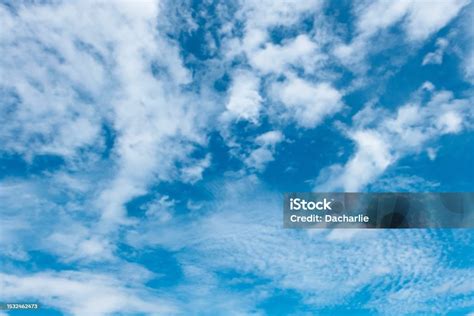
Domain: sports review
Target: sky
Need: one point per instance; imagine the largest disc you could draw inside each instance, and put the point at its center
(146, 147)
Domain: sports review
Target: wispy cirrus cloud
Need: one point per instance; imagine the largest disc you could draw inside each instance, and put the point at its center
(325, 267)
(84, 293)
(418, 20)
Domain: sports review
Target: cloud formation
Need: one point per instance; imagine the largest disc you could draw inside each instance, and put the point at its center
(145, 147)
(383, 138)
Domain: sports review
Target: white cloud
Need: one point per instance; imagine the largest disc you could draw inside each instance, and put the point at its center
(193, 172)
(395, 182)
(247, 37)
(419, 20)
(298, 52)
(35, 217)
(436, 57)
(427, 17)
(394, 136)
(269, 138)
(416, 299)
(79, 243)
(378, 15)
(428, 86)
(205, 291)
(260, 93)
(450, 122)
(258, 17)
(306, 102)
(261, 156)
(160, 209)
(60, 65)
(372, 157)
(267, 13)
(83, 293)
(244, 100)
(143, 111)
(285, 259)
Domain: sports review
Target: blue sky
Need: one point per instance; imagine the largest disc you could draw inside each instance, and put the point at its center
(146, 146)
